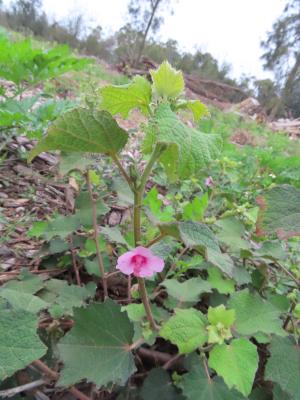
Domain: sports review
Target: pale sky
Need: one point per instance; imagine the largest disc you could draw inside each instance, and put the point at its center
(231, 30)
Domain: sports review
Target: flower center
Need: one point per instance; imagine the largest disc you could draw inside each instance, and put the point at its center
(138, 262)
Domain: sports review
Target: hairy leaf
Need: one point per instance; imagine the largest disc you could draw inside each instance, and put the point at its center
(254, 314)
(279, 212)
(158, 385)
(196, 234)
(198, 109)
(216, 280)
(114, 235)
(236, 363)
(186, 329)
(167, 81)
(196, 386)
(283, 367)
(231, 233)
(187, 291)
(83, 130)
(19, 342)
(125, 98)
(97, 347)
(84, 211)
(189, 150)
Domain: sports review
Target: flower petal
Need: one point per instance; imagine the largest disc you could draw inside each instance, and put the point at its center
(156, 263)
(145, 273)
(124, 263)
(143, 251)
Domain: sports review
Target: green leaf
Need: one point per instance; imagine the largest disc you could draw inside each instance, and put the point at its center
(114, 235)
(125, 98)
(221, 321)
(196, 234)
(196, 386)
(167, 81)
(71, 162)
(273, 250)
(135, 312)
(198, 109)
(61, 226)
(72, 296)
(26, 282)
(83, 130)
(187, 291)
(284, 365)
(189, 150)
(23, 300)
(219, 314)
(194, 210)
(84, 209)
(279, 212)
(158, 385)
(19, 342)
(254, 315)
(186, 329)
(155, 205)
(236, 363)
(97, 347)
(37, 229)
(216, 280)
(92, 266)
(125, 195)
(231, 233)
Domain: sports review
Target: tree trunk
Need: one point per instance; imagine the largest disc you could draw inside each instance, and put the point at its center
(145, 34)
(291, 79)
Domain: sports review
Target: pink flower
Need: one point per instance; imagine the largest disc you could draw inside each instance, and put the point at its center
(209, 181)
(140, 262)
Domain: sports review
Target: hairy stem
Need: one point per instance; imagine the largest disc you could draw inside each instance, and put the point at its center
(146, 302)
(95, 235)
(138, 196)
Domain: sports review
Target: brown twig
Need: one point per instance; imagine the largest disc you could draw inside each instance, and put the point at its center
(155, 240)
(22, 388)
(183, 251)
(55, 375)
(206, 369)
(95, 235)
(172, 361)
(289, 273)
(74, 262)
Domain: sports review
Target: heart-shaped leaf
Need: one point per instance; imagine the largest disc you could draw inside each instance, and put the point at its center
(83, 130)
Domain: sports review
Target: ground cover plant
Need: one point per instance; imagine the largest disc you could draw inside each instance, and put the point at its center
(194, 294)
(27, 67)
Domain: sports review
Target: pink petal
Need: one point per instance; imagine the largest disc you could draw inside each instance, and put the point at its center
(145, 273)
(124, 263)
(156, 263)
(143, 251)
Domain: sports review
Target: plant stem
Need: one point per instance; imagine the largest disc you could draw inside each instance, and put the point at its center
(206, 368)
(158, 150)
(155, 240)
(289, 273)
(55, 375)
(95, 235)
(138, 196)
(146, 302)
(122, 170)
(137, 217)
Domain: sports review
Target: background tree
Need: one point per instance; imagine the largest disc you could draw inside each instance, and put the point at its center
(146, 17)
(282, 55)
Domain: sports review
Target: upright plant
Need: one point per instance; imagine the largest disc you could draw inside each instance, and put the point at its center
(219, 315)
